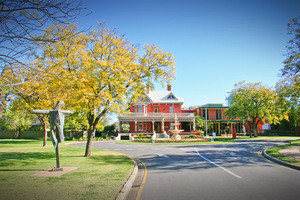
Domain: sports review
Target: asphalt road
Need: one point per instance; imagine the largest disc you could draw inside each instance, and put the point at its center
(220, 171)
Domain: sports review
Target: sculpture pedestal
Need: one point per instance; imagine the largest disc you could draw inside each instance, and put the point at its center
(176, 132)
(176, 136)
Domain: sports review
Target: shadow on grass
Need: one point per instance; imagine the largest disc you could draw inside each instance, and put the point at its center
(20, 158)
(17, 141)
(20, 170)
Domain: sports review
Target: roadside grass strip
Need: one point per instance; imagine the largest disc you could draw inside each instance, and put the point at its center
(274, 152)
(100, 176)
(226, 170)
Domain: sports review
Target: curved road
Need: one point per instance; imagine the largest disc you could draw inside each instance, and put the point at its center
(221, 171)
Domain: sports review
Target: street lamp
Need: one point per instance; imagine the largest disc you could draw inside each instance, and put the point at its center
(206, 120)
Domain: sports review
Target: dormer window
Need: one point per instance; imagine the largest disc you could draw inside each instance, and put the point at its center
(171, 96)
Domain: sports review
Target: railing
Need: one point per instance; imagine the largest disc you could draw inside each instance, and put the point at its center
(168, 115)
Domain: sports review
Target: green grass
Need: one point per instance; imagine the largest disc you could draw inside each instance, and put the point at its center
(274, 152)
(100, 176)
(265, 137)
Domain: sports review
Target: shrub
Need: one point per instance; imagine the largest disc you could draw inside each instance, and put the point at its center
(142, 140)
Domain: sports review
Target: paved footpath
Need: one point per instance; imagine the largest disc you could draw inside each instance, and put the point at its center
(293, 152)
(221, 171)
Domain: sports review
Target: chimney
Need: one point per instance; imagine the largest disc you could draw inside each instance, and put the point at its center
(169, 87)
(147, 90)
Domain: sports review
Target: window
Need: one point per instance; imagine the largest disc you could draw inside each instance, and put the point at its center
(171, 96)
(140, 126)
(140, 109)
(135, 108)
(156, 109)
(171, 109)
(218, 114)
(204, 113)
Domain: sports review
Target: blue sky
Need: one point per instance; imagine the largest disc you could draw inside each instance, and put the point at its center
(215, 43)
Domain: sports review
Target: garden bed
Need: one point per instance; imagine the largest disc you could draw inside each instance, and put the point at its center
(184, 140)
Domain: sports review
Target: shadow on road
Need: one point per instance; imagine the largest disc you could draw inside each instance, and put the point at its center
(242, 154)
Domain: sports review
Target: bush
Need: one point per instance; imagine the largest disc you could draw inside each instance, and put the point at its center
(142, 140)
(192, 136)
(98, 138)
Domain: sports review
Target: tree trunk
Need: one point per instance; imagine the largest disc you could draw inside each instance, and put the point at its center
(251, 129)
(45, 135)
(89, 143)
(44, 123)
(255, 131)
(17, 132)
(92, 125)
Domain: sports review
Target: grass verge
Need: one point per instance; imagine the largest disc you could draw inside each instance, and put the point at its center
(100, 176)
(274, 152)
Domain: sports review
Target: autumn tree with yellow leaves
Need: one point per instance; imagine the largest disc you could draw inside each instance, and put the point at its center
(28, 89)
(99, 72)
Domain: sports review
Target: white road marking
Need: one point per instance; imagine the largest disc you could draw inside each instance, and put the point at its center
(226, 170)
(162, 155)
(232, 153)
(184, 150)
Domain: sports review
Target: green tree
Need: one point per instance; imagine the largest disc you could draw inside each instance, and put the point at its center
(16, 118)
(110, 129)
(201, 123)
(76, 122)
(100, 71)
(254, 103)
(289, 86)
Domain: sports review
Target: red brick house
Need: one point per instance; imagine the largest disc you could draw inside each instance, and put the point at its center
(156, 112)
(215, 113)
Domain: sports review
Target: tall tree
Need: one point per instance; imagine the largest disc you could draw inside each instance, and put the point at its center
(23, 21)
(16, 117)
(288, 87)
(292, 62)
(254, 103)
(100, 71)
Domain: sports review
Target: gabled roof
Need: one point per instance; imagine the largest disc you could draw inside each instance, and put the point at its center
(164, 97)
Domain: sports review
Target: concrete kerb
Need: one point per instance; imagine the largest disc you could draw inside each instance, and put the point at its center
(280, 162)
(134, 183)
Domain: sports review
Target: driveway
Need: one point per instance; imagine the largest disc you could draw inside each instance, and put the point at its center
(220, 171)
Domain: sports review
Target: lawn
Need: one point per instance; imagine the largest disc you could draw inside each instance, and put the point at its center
(274, 152)
(100, 176)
